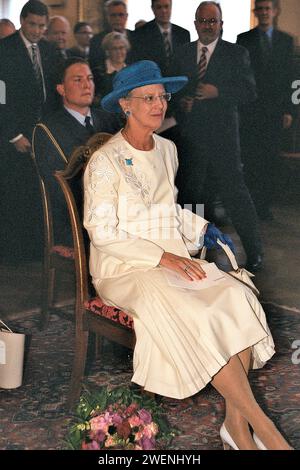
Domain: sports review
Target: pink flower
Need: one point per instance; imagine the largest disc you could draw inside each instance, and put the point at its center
(147, 443)
(100, 422)
(110, 442)
(99, 436)
(116, 419)
(134, 421)
(131, 409)
(145, 416)
(138, 435)
(90, 445)
(150, 430)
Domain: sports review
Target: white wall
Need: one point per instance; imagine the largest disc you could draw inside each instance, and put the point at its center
(236, 15)
(11, 9)
(289, 19)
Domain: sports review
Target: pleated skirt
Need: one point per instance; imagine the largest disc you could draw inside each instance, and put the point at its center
(184, 337)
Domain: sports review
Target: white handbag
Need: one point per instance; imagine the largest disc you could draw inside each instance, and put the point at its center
(241, 274)
(11, 357)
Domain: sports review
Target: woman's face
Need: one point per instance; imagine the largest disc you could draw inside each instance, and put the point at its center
(147, 106)
(117, 52)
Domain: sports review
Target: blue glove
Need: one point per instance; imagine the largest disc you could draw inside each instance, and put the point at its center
(213, 234)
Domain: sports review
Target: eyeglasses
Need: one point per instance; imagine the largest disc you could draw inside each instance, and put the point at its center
(210, 21)
(116, 15)
(120, 48)
(150, 99)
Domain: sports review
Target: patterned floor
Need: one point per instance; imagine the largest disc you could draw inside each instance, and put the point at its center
(33, 416)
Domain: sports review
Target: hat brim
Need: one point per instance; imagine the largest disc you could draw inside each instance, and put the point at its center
(110, 102)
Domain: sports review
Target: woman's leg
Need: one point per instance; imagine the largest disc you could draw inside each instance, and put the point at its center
(232, 383)
(233, 418)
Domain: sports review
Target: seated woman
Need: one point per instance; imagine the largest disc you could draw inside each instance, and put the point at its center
(185, 338)
(116, 47)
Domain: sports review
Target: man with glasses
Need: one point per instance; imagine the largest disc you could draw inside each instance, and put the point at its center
(159, 39)
(220, 79)
(271, 53)
(83, 34)
(116, 16)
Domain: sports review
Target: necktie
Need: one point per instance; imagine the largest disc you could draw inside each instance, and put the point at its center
(37, 72)
(88, 125)
(167, 45)
(266, 46)
(202, 65)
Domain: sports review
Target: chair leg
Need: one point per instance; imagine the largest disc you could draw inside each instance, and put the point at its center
(98, 345)
(47, 295)
(81, 344)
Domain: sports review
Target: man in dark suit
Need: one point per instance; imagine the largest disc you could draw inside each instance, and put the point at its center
(116, 15)
(58, 33)
(220, 79)
(27, 66)
(159, 39)
(271, 53)
(6, 28)
(60, 133)
(83, 34)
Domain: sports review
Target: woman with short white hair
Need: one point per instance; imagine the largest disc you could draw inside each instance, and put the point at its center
(116, 47)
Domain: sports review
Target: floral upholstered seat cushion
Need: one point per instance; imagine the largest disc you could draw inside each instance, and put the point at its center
(64, 251)
(96, 306)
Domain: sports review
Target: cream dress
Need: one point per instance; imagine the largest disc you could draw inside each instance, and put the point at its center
(184, 337)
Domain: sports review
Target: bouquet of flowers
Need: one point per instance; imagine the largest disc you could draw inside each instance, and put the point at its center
(120, 419)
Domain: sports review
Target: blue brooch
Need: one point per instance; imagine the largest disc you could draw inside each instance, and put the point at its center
(128, 162)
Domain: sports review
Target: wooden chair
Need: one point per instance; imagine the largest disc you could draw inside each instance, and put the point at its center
(55, 258)
(92, 315)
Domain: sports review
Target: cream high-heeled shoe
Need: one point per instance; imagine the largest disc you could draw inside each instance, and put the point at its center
(228, 442)
(258, 442)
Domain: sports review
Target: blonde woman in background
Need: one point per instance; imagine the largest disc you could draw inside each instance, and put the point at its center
(116, 47)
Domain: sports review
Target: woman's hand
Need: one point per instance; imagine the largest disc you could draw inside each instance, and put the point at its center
(187, 268)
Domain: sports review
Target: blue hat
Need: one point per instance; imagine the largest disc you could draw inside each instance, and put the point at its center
(144, 72)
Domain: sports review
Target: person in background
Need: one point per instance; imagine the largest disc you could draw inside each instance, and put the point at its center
(116, 47)
(28, 63)
(83, 34)
(116, 16)
(139, 24)
(159, 39)
(185, 338)
(220, 79)
(58, 32)
(271, 54)
(6, 28)
(57, 135)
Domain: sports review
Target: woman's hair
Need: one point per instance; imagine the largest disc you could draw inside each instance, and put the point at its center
(110, 38)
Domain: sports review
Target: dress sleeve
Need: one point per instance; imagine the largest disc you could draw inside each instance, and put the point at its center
(101, 203)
